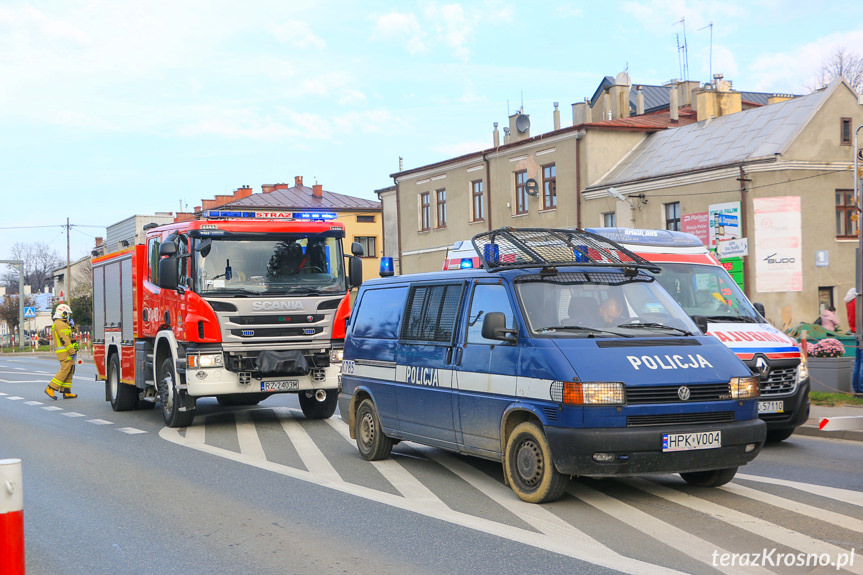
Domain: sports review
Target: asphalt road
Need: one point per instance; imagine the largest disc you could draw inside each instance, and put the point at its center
(261, 490)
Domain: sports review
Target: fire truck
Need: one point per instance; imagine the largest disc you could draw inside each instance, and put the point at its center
(236, 306)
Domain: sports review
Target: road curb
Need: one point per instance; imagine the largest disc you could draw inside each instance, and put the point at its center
(811, 429)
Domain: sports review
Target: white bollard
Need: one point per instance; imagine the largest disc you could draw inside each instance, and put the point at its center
(11, 518)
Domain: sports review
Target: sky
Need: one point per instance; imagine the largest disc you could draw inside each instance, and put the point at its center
(113, 108)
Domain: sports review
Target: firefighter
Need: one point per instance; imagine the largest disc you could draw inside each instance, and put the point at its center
(66, 348)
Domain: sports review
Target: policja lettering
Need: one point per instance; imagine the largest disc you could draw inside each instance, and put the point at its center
(422, 376)
(668, 361)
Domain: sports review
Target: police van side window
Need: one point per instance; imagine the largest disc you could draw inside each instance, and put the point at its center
(486, 299)
(380, 313)
(431, 313)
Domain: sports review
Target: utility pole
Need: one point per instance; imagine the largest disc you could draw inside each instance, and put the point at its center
(857, 379)
(20, 265)
(68, 281)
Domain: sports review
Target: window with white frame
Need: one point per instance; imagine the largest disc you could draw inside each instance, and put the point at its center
(609, 220)
(672, 216)
(477, 201)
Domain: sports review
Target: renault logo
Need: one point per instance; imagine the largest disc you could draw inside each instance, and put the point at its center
(762, 367)
(683, 393)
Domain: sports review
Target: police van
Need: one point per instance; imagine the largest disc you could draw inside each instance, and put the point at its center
(699, 282)
(562, 355)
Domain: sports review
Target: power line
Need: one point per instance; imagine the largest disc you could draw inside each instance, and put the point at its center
(749, 188)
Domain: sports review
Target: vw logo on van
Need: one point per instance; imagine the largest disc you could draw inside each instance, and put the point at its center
(762, 367)
(683, 393)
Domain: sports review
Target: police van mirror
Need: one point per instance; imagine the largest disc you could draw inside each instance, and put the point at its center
(167, 249)
(168, 277)
(355, 269)
(759, 307)
(701, 323)
(357, 249)
(494, 327)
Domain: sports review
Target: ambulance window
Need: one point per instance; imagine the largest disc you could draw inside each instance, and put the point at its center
(153, 250)
(379, 313)
(486, 299)
(431, 313)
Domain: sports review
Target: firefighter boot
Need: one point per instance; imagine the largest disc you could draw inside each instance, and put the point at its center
(49, 391)
(69, 395)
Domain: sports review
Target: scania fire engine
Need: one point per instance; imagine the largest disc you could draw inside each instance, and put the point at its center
(237, 306)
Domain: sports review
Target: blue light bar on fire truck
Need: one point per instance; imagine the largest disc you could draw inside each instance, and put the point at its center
(308, 216)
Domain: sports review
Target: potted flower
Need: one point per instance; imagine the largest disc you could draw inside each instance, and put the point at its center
(829, 370)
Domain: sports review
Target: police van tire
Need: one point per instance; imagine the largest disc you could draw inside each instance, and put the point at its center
(314, 409)
(712, 478)
(371, 441)
(169, 398)
(124, 397)
(529, 467)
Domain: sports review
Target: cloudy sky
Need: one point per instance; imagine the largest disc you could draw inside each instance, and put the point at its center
(110, 108)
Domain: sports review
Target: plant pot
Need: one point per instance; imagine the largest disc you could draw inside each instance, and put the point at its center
(830, 374)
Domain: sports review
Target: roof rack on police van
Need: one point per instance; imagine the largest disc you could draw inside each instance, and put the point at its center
(511, 248)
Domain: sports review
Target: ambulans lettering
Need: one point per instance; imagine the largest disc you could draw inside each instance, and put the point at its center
(422, 376)
(668, 361)
(740, 336)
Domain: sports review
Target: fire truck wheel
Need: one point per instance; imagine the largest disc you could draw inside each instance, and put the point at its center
(712, 478)
(315, 409)
(528, 465)
(169, 398)
(372, 444)
(124, 397)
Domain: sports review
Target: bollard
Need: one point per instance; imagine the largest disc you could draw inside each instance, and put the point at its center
(11, 518)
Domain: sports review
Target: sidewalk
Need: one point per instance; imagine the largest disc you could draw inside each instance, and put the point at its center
(819, 412)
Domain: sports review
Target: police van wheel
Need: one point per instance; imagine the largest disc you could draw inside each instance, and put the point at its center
(169, 398)
(528, 465)
(124, 397)
(314, 409)
(712, 478)
(371, 441)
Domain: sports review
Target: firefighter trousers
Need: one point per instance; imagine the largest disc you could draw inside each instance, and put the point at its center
(63, 380)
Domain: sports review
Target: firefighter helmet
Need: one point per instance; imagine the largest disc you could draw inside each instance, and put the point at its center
(63, 312)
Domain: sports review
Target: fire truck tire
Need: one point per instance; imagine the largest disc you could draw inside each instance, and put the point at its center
(169, 398)
(314, 409)
(712, 478)
(241, 399)
(124, 397)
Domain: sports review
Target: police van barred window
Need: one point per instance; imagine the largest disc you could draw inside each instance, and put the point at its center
(380, 313)
(431, 313)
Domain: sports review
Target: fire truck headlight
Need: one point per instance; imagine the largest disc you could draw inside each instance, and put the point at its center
(744, 387)
(205, 360)
(336, 355)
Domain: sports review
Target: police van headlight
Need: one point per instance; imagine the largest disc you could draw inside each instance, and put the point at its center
(588, 392)
(204, 360)
(744, 387)
(336, 354)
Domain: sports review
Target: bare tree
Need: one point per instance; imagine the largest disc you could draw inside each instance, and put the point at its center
(40, 261)
(841, 63)
(9, 310)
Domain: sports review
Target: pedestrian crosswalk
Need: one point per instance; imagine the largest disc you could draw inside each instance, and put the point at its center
(622, 524)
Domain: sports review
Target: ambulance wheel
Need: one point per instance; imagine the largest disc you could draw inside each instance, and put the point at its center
(528, 465)
(169, 397)
(712, 478)
(314, 409)
(371, 441)
(124, 397)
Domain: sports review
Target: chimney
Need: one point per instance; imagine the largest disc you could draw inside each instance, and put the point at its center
(519, 126)
(496, 136)
(208, 204)
(222, 199)
(776, 98)
(243, 192)
(581, 112)
(672, 103)
(284, 186)
(298, 181)
(318, 191)
(98, 241)
(267, 188)
(556, 117)
(639, 101)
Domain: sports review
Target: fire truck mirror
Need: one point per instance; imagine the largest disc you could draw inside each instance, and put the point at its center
(357, 249)
(356, 271)
(168, 277)
(167, 249)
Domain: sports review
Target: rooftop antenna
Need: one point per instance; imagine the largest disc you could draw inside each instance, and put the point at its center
(682, 52)
(710, 66)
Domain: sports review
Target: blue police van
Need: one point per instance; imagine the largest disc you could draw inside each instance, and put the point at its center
(560, 356)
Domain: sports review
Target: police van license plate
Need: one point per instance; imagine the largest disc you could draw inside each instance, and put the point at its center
(777, 406)
(281, 385)
(691, 441)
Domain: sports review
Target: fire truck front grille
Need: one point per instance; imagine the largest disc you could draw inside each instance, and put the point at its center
(276, 332)
(246, 363)
(276, 319)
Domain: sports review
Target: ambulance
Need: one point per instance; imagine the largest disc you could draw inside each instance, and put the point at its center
(699, 282)
(560, 355)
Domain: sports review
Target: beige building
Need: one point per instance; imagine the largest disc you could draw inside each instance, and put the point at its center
(674, 154)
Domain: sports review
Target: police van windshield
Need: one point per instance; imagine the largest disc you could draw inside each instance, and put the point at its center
(287, 264)
(566, 306)
(707, 290)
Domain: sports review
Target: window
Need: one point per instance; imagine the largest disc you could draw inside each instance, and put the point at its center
(845, 227)
(440, 196)
(425, 211)
(153, 248)
(549, 187)
(487, 298)
(845, 132)
(380, 313)
(477, 205)
(521, 192)
(365, 219)
(672, 216)
(432, 311)
(609, 220)
(368, 243)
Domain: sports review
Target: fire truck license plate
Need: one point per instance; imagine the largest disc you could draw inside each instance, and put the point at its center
(689, 441)
(281, 385)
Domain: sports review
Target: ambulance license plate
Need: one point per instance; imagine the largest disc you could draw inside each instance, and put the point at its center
(281, 385)
(777, 406)
(691, 441)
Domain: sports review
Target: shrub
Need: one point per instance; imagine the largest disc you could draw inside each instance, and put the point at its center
(827, 347)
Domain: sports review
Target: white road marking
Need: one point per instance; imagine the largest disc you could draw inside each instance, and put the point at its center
(131, 430)
(72, 414)
(100, 422)
(33, 403)
(314, 460)
(14, 398)
(247, 435)
(837, 493)
(52, 408)
(1, 393)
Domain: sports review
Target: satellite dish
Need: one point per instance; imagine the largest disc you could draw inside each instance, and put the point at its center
(522, 123)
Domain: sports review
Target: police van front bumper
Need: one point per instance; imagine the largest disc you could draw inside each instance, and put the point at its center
(607, 452)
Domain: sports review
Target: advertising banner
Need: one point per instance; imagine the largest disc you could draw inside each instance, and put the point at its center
(778, 253)
(724, 222)
(697, 225)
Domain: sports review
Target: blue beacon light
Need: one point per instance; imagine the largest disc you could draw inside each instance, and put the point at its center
(387, 267)
(466, 263)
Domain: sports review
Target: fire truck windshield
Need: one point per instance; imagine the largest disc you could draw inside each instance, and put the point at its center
(286, 264)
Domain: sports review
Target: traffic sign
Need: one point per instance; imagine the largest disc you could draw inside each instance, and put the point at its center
(29, 312)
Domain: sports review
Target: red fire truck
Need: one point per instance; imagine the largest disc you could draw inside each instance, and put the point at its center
(237, 306)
